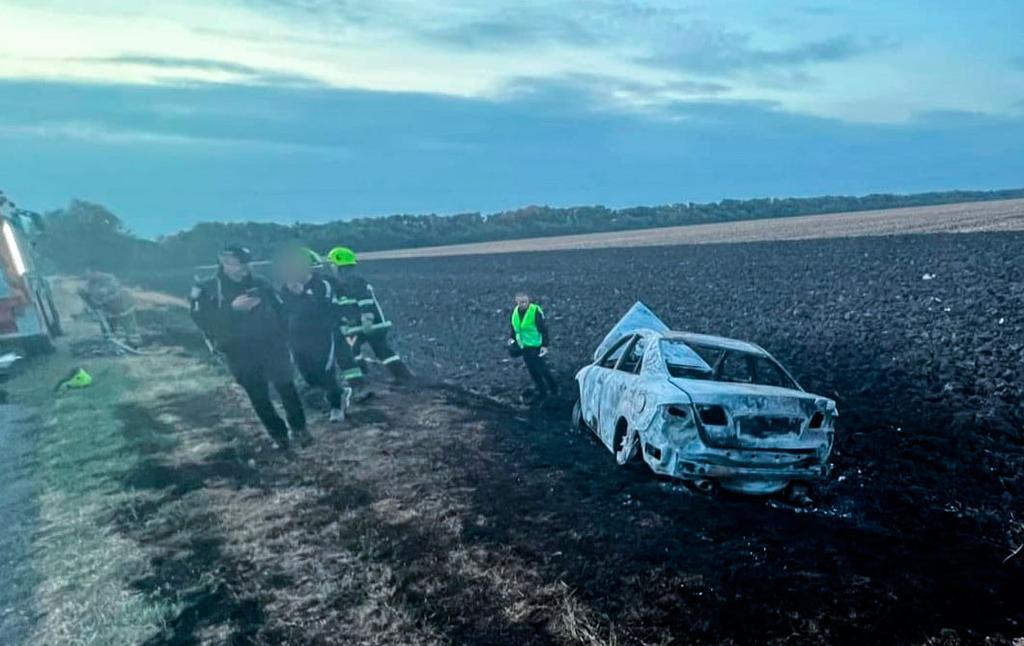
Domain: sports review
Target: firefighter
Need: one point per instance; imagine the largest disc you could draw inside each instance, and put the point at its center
(313, 318)
(243, 318)
(362, 318)
(529, 338)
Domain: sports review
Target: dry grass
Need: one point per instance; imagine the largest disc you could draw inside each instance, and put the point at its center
(82, 563)
(157, 498)
(1003, 215)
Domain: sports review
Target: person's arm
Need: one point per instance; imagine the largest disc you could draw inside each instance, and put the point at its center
(542, 327)
(269, 296)
(203, 310)
(360, 290)
(328, 301)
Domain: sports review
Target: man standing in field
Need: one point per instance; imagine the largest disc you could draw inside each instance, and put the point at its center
(243, 318)
(528, 337)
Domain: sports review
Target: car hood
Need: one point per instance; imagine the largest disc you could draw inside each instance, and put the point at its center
(639, 317)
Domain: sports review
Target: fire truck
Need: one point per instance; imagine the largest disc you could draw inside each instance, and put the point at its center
(29, 320)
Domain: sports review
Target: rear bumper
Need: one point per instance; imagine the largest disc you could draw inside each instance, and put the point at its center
(760, 471)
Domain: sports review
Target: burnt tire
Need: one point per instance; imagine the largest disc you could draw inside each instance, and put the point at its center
(626, 445)
(578, 423)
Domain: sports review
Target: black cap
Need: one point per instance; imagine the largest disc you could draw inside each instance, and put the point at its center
(239, 251)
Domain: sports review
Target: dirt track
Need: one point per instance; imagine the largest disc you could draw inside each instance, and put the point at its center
(1003, 215)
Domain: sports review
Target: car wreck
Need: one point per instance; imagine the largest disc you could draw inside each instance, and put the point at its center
(703, 408)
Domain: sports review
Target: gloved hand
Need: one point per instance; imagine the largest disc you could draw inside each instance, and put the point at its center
(543, 352)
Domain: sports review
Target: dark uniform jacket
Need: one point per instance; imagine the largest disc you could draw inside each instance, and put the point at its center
(354, 296)
(240, 335)
(312, 315)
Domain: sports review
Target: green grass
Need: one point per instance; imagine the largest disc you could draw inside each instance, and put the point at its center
(82, 565)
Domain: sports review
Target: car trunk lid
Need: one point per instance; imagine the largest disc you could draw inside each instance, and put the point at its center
(750, 416)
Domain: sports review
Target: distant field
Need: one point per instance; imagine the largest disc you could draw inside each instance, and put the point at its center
(1003, 215)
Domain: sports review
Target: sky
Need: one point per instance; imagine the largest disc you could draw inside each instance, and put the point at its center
(174, 113)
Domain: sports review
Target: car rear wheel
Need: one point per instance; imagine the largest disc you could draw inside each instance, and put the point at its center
(625, 443)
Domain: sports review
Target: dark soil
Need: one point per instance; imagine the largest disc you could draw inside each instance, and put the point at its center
(905, 543)
(928, 373)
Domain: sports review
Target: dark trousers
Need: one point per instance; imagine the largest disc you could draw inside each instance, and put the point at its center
(539, 372)
(317, 369)
(378, 342)
(346, 361)
(257, 387)
(255, 369)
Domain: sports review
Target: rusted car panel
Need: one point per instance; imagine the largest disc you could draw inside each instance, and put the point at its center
(703, 408)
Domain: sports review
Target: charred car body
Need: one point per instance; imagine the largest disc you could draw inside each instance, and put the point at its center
(703, 408)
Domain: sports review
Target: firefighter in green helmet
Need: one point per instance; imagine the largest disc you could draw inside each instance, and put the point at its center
(363, 321)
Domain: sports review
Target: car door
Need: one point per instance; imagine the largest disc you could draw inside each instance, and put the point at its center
(601, 377)
(624, 390)
(616, 384)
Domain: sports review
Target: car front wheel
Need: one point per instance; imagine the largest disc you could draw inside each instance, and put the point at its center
(578, 423)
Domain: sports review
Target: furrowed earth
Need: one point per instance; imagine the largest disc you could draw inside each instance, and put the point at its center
(447, 512)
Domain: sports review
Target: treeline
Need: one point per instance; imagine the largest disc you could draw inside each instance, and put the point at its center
(87, 235)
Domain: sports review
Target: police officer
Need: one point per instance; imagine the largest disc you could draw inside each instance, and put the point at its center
(529, 338)
(242, 317)
(313, 318)
(362, 318)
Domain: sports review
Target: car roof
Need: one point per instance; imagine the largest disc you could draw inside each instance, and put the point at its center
(716, 342)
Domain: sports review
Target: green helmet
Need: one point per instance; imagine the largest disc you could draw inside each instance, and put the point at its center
(342, 256)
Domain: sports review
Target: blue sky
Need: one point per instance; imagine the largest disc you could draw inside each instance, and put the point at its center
(322, 109)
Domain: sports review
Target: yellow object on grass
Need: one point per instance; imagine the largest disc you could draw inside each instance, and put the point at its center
(77, 378)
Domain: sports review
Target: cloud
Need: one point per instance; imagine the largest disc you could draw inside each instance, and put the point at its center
(228, 71)
(703, 48)
(104, 134)
(515, 29)
(600, 93)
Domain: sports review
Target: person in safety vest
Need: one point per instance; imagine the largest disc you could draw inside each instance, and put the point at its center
(312, 318)
(363, 320)
(528, 337)
(243, 318)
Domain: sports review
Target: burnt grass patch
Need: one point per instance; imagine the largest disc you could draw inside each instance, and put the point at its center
(920, 339)
(449, 514)
(660, 560)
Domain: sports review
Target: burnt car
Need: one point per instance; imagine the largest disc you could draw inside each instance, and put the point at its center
(703, 408)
